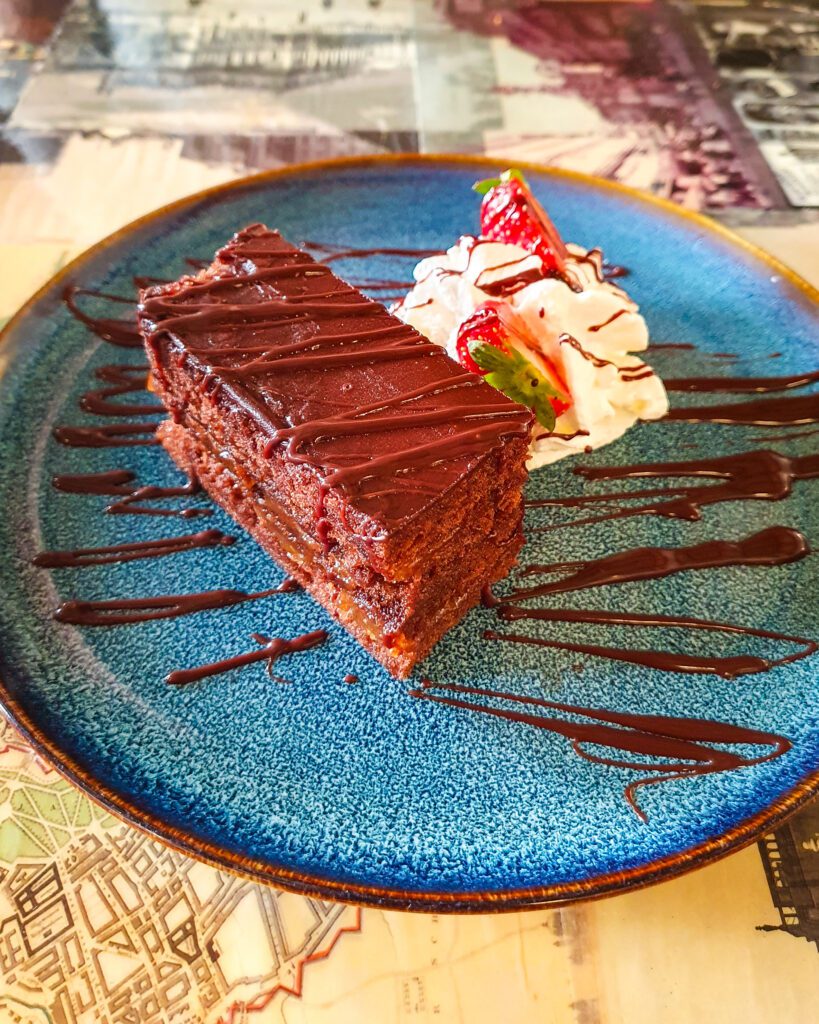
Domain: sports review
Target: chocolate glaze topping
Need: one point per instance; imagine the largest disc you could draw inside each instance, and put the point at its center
(333, 380)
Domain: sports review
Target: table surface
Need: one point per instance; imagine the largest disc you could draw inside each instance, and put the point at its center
(109, 108)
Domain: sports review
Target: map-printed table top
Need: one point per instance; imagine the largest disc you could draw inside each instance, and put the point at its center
(710, 104)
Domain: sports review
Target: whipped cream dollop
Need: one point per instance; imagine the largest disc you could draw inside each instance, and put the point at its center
(586, 326)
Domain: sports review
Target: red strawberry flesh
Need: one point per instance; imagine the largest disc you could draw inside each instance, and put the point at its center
(511, 214)
(483, 326)
(497, 324)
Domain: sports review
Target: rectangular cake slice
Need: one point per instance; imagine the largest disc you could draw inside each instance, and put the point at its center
(378, 473)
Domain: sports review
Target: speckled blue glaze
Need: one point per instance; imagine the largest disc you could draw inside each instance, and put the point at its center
(362, 784)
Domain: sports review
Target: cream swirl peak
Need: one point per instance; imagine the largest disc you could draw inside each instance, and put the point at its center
(549, 303)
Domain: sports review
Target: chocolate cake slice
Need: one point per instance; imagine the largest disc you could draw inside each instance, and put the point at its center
(378, 473)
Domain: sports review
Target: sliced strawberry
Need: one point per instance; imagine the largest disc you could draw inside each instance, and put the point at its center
(484, 327)
(511, 214)
(497, 325)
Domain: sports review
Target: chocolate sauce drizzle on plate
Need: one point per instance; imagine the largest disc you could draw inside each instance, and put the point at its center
(126, 505)
(742, 385)
(331, 253)
(119, 483)
(755, 475)
(107, 435)
(129, 610)
(689, 747)
(118, 332)
(793, 410)
(131, 551)
(793, 435)
(776, 545)
(109, 482)
(270, 650)
(120, 379)
(726, 666)
(758, 475)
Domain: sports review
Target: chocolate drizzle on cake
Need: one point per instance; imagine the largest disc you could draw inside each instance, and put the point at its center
(271, 320)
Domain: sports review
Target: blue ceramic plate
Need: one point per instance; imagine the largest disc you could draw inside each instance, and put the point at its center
(362, 792)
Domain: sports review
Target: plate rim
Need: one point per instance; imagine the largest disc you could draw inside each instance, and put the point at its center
(308, 884)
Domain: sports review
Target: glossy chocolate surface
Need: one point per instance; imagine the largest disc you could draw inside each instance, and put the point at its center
(332, 380)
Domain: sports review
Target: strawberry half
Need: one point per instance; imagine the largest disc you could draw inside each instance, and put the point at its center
(488, 343)
(511, 214)
(482, 327)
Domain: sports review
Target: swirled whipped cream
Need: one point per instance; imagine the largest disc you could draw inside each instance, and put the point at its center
(578, 323)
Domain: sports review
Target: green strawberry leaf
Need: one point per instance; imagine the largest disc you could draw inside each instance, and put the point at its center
(482, 187)
(513, 172)
(518, 379)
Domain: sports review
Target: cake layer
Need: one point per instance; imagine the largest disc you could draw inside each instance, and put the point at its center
(398, 623)
(381, 475)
